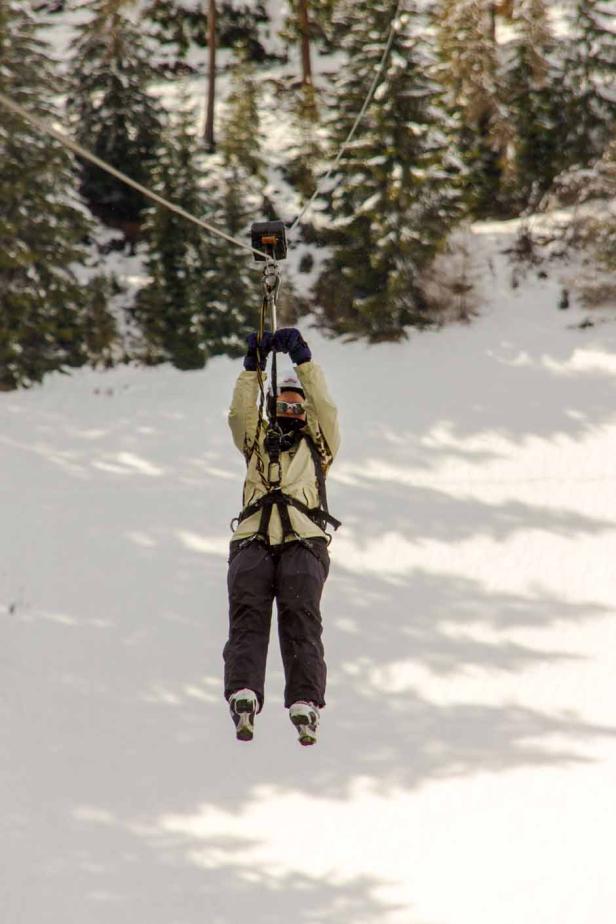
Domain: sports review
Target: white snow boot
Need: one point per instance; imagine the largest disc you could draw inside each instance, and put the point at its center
(244, 705)
(305, 717)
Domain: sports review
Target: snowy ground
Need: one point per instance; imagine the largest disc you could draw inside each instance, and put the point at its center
(466, 769)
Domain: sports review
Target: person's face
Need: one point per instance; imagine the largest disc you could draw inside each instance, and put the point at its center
(293, 398)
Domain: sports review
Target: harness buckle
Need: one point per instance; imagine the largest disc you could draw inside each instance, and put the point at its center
(275, 482)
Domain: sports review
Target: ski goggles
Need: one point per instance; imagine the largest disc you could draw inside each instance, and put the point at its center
(296, 409)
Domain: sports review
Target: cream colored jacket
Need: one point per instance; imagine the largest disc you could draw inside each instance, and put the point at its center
(298, 477)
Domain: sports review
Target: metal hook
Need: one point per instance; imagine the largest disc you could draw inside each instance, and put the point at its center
(271, 285)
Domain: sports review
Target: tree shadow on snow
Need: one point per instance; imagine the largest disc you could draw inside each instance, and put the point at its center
(120, 722)
(123, 726)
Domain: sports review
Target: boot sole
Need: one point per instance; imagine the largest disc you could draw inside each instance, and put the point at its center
(244, 710)
(244, 734)
(306, 738)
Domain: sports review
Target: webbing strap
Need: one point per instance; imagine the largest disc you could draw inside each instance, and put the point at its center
(318, 468)
(285, 520)
(320, 516)
(265, 520)
(283, 501)
(314, 513)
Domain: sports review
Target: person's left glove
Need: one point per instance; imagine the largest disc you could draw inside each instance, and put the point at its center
(289, 340)
(264, 347)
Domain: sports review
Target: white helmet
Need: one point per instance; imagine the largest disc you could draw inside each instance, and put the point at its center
(290, 382)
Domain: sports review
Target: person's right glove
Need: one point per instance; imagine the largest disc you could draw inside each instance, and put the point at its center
(250, 360)
(289, 340)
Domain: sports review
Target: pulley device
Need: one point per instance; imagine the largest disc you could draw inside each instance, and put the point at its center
(269, 237)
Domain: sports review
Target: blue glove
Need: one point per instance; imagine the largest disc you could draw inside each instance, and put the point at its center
(289, 340)
(250, 360)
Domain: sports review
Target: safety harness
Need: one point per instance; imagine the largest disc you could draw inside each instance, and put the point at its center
(270, 238)
(275, 444)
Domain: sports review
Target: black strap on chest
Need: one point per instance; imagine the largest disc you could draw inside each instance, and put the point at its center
(320, 515)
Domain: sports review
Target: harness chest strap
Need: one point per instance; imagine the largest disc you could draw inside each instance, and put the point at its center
(320, 516)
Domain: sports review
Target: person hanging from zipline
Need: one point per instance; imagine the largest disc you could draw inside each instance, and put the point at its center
(280, 547)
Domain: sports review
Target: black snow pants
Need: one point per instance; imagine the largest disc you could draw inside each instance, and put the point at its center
(294, 575)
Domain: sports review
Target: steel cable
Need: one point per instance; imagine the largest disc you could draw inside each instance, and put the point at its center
(379, 73)
(43, 125)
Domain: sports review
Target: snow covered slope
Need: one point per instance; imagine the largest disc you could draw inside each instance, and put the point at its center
(466, 769)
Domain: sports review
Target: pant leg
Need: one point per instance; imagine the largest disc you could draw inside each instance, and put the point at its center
(251, 592)
(300, 576)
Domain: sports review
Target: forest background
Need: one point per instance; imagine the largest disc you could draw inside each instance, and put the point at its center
(233, 110)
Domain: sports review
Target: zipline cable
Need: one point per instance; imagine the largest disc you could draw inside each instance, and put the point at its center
(361, 114)
(44, 126)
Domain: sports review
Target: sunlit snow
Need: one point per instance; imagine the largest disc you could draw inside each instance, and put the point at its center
(465, 773)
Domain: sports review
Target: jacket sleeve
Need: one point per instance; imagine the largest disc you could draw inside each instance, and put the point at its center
(321, 412)
(244, 413)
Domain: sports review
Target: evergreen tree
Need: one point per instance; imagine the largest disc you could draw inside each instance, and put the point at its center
(536, 104)
(238, 25)
(606, 245)
(304, 147)
(325, 28)
(230, 285)
(100, 328)
(395, 193)
(237, 199)
(212, 48)
(43, 306)
(200, 298)
(470, 71)
(168, 310)
(300, 29)
(590, 77)
(240, 143)
(172, 25)
(177, 26)
(112, 111)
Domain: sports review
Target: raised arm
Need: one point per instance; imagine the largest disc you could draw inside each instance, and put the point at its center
(244, 414)
(321, 412)
(320, 408)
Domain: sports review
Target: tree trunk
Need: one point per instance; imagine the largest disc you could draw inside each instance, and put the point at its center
(493, 9)
(505, 8)
(304, 28)
(208, 134)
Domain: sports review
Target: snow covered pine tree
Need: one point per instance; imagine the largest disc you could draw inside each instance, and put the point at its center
(112, 111)
(43, 305)
(590, 77)
(536, 102)
(469, 69)
(396, 190)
